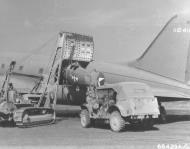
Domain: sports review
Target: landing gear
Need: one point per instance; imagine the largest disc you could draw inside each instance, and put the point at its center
(162, 116)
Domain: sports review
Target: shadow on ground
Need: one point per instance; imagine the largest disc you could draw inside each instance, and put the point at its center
(7, 124)
(177, 118)
(67, 114)
(61, 116)
(129, 128)
(101, 125)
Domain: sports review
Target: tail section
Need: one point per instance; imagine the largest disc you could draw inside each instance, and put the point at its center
(169, 53)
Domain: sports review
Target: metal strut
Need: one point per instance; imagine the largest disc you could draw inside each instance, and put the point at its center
(46, 115)
(40, 103)
(7, 79)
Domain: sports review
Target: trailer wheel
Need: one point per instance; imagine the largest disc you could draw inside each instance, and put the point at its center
(85, 118)
(117, 123)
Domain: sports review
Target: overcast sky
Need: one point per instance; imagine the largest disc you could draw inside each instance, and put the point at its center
(122, 29)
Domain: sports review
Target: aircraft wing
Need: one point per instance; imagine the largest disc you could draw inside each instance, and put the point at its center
(27, 73)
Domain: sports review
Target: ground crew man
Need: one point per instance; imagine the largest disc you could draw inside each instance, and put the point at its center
(91, 98)
(11, 93)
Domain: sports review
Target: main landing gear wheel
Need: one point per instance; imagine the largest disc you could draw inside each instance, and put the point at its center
(117, 123)
(85, 118)
(162, 117)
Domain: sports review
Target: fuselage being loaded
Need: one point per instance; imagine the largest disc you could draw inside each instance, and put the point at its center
(162, 66)
(157, 67)
(73, 83)
(70, 79)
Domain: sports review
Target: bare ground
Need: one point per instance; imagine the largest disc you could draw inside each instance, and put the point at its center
(68, 133)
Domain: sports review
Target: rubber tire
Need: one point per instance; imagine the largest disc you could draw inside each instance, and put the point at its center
(117, 123)
(85, 118)
(162, 116)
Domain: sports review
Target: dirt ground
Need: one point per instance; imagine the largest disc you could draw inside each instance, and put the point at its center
(68, 133)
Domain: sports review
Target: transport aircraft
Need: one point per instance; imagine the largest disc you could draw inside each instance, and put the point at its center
(164, 66)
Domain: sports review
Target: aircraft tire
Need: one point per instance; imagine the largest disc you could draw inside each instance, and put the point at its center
(117, 123)
(162, 116)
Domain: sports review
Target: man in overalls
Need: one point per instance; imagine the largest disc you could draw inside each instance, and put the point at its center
(11, 93)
